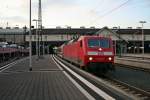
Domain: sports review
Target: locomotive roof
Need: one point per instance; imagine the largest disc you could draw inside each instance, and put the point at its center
(82, 37)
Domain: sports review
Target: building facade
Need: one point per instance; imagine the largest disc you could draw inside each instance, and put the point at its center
(132, 37)
(15, 36)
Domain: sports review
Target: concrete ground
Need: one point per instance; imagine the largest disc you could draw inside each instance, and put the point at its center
(135, 60)
(45, 82)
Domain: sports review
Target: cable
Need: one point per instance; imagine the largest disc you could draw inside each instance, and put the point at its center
(112, 10)
(99, 4)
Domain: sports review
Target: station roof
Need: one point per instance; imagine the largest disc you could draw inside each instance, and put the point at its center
(68, 31)
(89, 31)
(132, 31)
(11, 31)
(105, 31)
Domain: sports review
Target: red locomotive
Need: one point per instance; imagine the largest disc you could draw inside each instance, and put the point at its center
(93, 53)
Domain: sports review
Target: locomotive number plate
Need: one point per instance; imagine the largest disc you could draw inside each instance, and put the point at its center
(100, 53)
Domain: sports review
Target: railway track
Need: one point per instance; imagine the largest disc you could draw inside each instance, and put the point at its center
(141, 94)
(128, 89)
(133, 67)
(7, 62)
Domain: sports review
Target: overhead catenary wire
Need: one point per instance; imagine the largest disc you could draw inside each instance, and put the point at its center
(99, 4)
(110, 11)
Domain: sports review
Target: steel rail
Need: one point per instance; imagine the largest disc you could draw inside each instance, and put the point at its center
(142, 94)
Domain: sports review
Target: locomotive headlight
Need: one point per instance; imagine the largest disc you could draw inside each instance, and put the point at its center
(100, 49)
(109, 58)
(90, 58)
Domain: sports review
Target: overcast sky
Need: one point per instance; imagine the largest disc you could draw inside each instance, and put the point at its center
(76, 13)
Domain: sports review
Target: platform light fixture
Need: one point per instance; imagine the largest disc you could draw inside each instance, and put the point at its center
(142, 22)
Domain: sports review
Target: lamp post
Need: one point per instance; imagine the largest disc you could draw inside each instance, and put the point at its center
(43, 45)
(36, 36)
(142, 22)
(134, 41)
(30, 37)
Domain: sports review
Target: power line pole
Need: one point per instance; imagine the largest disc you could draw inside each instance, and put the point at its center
(36, 37)
(40, 25)
(30, 40)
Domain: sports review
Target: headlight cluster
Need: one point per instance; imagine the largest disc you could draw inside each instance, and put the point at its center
(109, 58)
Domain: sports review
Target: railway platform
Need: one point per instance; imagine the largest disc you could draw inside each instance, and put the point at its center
(46, 82)
(134, 60)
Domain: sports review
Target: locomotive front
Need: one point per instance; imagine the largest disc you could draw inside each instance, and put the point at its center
(99, 54)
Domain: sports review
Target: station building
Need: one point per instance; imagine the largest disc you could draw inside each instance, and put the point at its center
(13, 35)
(129, 40)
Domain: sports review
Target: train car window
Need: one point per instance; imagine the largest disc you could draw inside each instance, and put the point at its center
(80, 43)
(93, 43)
(104, 43)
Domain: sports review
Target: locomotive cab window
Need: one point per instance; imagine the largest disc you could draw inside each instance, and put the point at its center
(104, 43)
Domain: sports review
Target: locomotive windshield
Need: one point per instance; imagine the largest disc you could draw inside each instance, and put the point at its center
(104, 43)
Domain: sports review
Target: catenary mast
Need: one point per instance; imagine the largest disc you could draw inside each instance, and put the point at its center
(39, 26)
